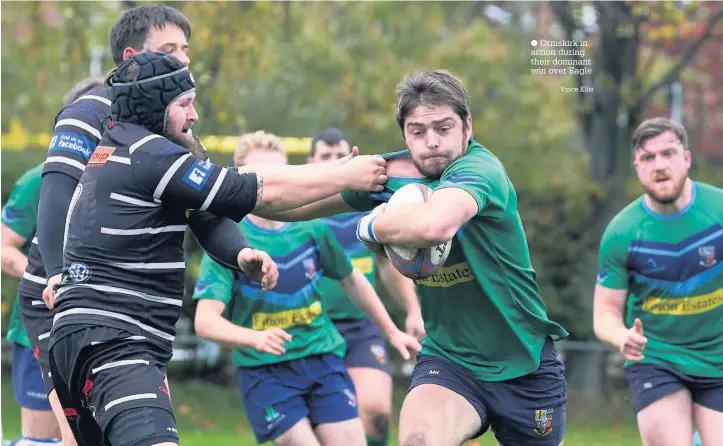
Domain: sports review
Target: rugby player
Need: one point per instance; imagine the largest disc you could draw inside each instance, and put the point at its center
(123, 270)
(78, 128)
(366, 357)
(488, 358)
(659, 293)
(290, 358)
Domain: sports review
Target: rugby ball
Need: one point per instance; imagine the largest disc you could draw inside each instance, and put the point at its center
(415, 263)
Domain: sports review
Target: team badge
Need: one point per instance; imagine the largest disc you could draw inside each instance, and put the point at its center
(379, 353)
(310, 267)
(543, 422)
(707, 256)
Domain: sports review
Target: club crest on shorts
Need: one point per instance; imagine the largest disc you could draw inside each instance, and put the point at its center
(379, 353)
(543, 422)
(707, 256)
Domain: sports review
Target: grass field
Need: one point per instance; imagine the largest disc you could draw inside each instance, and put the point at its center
(213, 415)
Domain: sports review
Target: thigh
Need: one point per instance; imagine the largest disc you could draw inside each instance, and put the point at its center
(710, 425)
(125, 390)
(667, 421)
(64, 357)
(442, 407)
(347, 433)
(300, 434)
(529, 409)
(273, 398)
(28, 383)
(38, 321)
(332, 398)
(374, 393)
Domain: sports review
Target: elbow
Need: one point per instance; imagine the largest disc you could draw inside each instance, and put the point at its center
(202, 324)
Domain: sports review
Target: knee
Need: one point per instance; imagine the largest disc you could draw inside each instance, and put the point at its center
(380, 422)
(413, 439)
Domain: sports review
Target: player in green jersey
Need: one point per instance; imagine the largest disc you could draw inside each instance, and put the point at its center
(294, 384)
(366, 357)
(659, 293)
(488, 358)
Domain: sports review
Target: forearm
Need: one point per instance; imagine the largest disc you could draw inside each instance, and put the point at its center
(361, 292)
(609, 328)
(13, 261)
(412, 225)
(399, 287)
(323, 208)
(220, 237)
(55, 195)
(215, 327)
(282, 188)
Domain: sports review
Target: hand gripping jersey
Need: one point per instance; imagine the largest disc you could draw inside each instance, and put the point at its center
(482, 309)
(20, 214)
(672, 268)
(305, 252)
(124, 261)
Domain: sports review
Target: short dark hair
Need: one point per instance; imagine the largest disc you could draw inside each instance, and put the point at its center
(434, 87)
(134, 26)
(650, 128)
(81, 88)
(329, 137)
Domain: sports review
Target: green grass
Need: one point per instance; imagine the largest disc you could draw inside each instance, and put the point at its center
(211, 415)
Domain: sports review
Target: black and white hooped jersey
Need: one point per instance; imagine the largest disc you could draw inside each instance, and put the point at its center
(124, 259)
(78, 128)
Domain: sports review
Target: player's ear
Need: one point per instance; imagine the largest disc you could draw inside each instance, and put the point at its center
(128, 53)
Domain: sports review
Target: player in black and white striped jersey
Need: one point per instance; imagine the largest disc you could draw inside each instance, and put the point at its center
(122, 286)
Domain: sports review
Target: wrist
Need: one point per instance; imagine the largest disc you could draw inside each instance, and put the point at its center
(365, 229)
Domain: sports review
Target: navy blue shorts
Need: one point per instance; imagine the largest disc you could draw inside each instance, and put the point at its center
(28, 379)
(365, 346)
(278, 396)
(651, 382)
(529, 410)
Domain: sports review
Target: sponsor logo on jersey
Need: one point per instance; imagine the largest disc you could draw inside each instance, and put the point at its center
(286, 319)
(684, 305)
(100, 156)
(449, 276)
(197, 175)
(363, 264)
(71, 142)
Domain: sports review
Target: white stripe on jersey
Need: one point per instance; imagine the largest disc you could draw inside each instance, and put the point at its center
(131, 200)
(110, 365)
(129, 338)
(168, 175)
(63, 160)
(159, 265)
(214, 190)
(142, 141)
(43, 336)
(95, 98)
(36, 302)
(138, 396)
(35, 240)
(140, 231)
(113, 289)
(36, 279)
(120, 159)
(80, 124)
(114, 315)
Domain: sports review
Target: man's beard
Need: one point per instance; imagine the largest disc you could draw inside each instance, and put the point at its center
(190, 142)
(436, 170)
(669, 197)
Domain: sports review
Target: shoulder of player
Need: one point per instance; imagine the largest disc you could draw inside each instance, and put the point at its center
(142, 142)
(626, 222)
(93, 107)
(707, 191)
(31, 177)
(477, 161)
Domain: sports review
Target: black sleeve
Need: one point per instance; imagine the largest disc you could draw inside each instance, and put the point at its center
(171, 174)
(220, 237)
(55, 194)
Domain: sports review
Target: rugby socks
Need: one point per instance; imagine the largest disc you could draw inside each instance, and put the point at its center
(29, 441)
(376, 442)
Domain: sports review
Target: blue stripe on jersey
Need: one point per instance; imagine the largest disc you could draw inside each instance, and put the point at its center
(291, 300)
(679, 268)
(462, 179)
(343, 227)
(683, 287)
